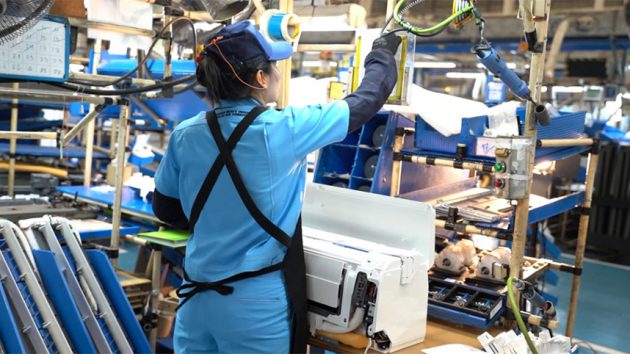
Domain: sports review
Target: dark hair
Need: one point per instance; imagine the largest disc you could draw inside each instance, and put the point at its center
(221, 83)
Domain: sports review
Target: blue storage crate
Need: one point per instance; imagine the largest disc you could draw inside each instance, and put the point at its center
(566, 125)
(365, 157)
(374, 125)
(335, 164)
(427, 138)
(352, 139)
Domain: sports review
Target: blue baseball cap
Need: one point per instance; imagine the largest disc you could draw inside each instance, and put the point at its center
(242, 41)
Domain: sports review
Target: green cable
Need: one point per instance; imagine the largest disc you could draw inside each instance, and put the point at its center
(407, 26)
(517, 315)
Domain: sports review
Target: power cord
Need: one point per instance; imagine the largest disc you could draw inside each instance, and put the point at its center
(146, 57)
(517, 315)
(120, 92)
(588, 345)
(367, 349)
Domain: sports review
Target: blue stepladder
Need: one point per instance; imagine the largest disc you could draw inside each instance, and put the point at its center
(91, 335)
(57, 298)
(39, 324)
(102, 282)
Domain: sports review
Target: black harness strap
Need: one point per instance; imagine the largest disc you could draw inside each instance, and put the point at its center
(192, 288)
(225, 154)
(217, 166)
(292, 265)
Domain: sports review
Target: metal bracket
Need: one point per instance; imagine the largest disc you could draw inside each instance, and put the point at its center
(583, 210)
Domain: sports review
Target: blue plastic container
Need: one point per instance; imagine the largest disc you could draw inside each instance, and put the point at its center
(566, 125)
(427, 138)
(563, 126)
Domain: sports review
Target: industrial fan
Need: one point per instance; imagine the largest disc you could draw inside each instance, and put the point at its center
(17, 16)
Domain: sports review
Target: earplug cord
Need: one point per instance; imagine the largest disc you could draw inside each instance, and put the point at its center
(214, 42)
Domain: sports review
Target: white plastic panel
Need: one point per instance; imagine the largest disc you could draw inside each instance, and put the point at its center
(376, 218)
(323, 279)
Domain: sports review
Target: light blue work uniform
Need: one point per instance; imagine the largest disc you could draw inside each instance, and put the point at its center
(271, 157)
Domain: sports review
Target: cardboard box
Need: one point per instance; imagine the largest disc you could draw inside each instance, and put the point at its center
(69, 8)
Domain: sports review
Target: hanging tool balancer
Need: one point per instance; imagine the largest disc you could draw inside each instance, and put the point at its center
(463, 11)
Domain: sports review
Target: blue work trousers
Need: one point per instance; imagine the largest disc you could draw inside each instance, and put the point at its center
(255, 318)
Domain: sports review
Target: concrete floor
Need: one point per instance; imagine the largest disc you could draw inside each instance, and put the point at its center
(603, 314)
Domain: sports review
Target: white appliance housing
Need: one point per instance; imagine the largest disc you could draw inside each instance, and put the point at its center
(367, 257)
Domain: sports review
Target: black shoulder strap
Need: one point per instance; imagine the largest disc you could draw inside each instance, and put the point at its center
(225, 152)
(215, 171)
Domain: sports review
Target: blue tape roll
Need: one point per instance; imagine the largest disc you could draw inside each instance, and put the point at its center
(275, 26)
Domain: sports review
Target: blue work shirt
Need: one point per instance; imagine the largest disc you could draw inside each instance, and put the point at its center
(271, 157)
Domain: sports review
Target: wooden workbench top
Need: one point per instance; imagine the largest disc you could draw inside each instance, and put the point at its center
(438, 333)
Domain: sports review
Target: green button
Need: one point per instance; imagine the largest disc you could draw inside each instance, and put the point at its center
(499, 166)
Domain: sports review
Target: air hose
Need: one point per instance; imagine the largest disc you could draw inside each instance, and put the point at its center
(517, 315)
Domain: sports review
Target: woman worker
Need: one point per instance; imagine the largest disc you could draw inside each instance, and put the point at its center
(235, 177)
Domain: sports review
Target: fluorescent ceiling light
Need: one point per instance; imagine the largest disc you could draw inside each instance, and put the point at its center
(316, 63)
(509, 65)
(434, 65)
(568, 89)
(464, 75)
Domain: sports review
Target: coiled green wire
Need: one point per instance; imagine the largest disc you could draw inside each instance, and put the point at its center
(431, 30)
(517, 315)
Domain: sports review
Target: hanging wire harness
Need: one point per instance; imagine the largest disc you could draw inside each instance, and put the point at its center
(463, 11)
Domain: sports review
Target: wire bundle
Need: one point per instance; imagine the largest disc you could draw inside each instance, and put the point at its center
(462, 10)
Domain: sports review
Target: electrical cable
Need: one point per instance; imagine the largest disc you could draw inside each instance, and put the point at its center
(403, 11)
(146, 57)
(369, 345)
(431, 31)
(590, 347)
(120, 92)
(517, 315)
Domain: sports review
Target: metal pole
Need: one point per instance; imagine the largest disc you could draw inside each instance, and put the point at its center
(471, 229)
(337, 48)
(4, 134)
(155, 293)
(465, 165)
(581, 240)
(67, 138)
(535, 83)
(286, 6)
(82, 23)
(156, 117)
(120, 171)
(399, 141)
(391, 4)
(563, 142)
(55, 96)
(89, 132)
(107, 78)
(112, 140)
(12, 143)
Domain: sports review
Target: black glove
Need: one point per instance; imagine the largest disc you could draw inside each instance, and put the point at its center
(389, 41)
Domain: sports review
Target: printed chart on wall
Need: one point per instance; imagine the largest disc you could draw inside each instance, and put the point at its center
(40, 53)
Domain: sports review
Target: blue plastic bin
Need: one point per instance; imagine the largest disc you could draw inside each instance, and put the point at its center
(427, 138)
(566, 125)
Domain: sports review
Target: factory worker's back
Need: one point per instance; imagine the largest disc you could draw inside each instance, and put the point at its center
(271, 158)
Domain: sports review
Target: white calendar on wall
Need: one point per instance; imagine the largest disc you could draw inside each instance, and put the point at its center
(41, 53)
